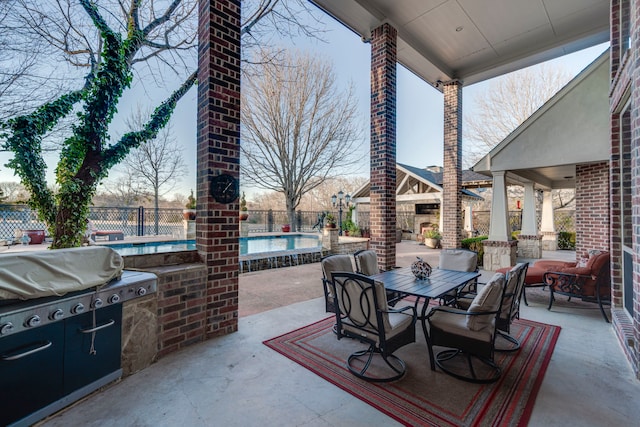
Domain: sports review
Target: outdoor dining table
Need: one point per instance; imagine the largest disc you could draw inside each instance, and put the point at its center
(438, 283)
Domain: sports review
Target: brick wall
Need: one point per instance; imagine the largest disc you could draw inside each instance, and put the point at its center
(383, 144)
(218, 151)
(592, 207)
(452, 175)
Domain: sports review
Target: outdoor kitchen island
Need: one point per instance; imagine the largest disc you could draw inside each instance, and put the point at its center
(61, 327)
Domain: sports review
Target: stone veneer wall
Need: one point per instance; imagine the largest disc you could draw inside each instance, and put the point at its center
(452, 175)
(499, 254)
(383, 144)
(529, 246)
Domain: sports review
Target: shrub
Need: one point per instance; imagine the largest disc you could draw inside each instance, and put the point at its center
(566, 240)
(475, 244)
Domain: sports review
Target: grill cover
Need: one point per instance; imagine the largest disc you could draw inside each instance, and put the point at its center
(27, 275)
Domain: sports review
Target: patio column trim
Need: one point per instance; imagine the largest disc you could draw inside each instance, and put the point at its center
(218, 152)
(547, 223)
(451, 217)
(529, 217)
(383, 144)
(498, 225)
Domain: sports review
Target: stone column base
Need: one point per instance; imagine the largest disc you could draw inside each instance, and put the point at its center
(499, 254)
(330, 239)
(244, 229)
(189, 226)
(529, 246)
(549, 241)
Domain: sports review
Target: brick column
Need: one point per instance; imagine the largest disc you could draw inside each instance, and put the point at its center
(218, 152)
(383, 144)
(592, 207)
(452, 174)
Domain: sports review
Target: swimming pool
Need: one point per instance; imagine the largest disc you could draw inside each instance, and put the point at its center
(248, 245)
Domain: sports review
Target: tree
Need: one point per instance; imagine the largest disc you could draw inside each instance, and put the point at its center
(505, 104)
(98, 49)
(298, 129)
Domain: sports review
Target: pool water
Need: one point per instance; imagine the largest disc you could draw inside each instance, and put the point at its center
(248, 245)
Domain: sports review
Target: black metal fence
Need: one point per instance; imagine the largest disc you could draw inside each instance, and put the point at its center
(141, 221)
(131, 221)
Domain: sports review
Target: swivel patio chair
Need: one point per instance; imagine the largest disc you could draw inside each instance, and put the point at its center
(364, 315)
(458, 260)
(469, 334)
(510, 306)
(367, 263)
(331, 264)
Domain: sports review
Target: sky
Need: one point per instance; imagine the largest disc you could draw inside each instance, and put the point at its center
(419, 115)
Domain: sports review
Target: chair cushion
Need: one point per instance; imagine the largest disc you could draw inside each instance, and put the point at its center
(367, 262)
(336, 263)
(533, 276)
(552, 265)
(458, 260)
(488, 299)
(456, 324)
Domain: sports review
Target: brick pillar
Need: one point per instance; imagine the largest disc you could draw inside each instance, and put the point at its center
(592, 207)
(218, 152)
(452, 174)
(383, 144)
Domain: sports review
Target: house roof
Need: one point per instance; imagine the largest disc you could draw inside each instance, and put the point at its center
(570, 128)
(471, 40)
(418, 185)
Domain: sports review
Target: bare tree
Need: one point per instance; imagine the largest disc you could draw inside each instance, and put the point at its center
(298, 128)
(125, 190)
(13, 191)
(505, 104)
(88, 53)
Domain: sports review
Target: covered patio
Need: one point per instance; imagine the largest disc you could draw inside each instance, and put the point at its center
(237, 381)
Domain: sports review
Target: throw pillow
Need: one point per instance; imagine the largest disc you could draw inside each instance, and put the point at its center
(488, 299)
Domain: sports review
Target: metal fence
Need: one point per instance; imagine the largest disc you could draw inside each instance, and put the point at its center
(141, 221)
(131, 221)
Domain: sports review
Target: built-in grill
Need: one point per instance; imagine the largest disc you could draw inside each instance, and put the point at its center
(56, 349)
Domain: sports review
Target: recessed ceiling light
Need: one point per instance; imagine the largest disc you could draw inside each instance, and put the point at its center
(458, 29)
(568, 177)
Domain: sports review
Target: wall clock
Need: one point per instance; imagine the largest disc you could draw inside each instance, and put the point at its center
(224, 188)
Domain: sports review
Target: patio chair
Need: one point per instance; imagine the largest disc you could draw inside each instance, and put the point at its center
(591, 283)
(367, 263)
(458, 260)
(469, 334)
(510, 306)
(364, 315)
(331, 264)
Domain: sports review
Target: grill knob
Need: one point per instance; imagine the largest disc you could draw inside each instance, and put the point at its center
(78, 308)
(32, 321)
(114, 299)
(7, 328)
(141, 291)
(97, 303)
(56, 314)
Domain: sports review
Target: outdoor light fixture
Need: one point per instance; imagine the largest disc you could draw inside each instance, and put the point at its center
(337, 202)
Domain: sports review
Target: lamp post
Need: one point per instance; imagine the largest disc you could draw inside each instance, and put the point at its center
(337, 202)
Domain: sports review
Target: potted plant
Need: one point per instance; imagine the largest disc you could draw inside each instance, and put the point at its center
(244, 211)
(190, 212)
(286, 228)
(330, 221)
(432, 238)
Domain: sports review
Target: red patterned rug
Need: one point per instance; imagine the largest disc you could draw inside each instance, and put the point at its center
(424, 397)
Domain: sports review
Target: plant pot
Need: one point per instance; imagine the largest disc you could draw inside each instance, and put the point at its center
(286, 228)
(331, 225)
(189, 214)
(244, 216)
(431, 243)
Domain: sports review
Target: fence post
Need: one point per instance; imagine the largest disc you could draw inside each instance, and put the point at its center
(270, 220)
(140, 220)
(298, 221)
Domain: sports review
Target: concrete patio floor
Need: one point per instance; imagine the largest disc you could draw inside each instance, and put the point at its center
(235, 380)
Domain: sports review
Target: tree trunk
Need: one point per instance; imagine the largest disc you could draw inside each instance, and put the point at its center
(71, 220)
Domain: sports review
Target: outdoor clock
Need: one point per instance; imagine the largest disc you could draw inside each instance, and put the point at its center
(224, 188)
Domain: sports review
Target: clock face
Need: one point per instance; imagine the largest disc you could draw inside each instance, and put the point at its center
(224, 188)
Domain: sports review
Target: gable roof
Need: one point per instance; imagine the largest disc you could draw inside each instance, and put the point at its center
(571, 128)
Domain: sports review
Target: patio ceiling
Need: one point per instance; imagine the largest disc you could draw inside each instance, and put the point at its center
(471, 40)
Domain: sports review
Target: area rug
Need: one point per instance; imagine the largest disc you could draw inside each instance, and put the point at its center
(425, 397)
